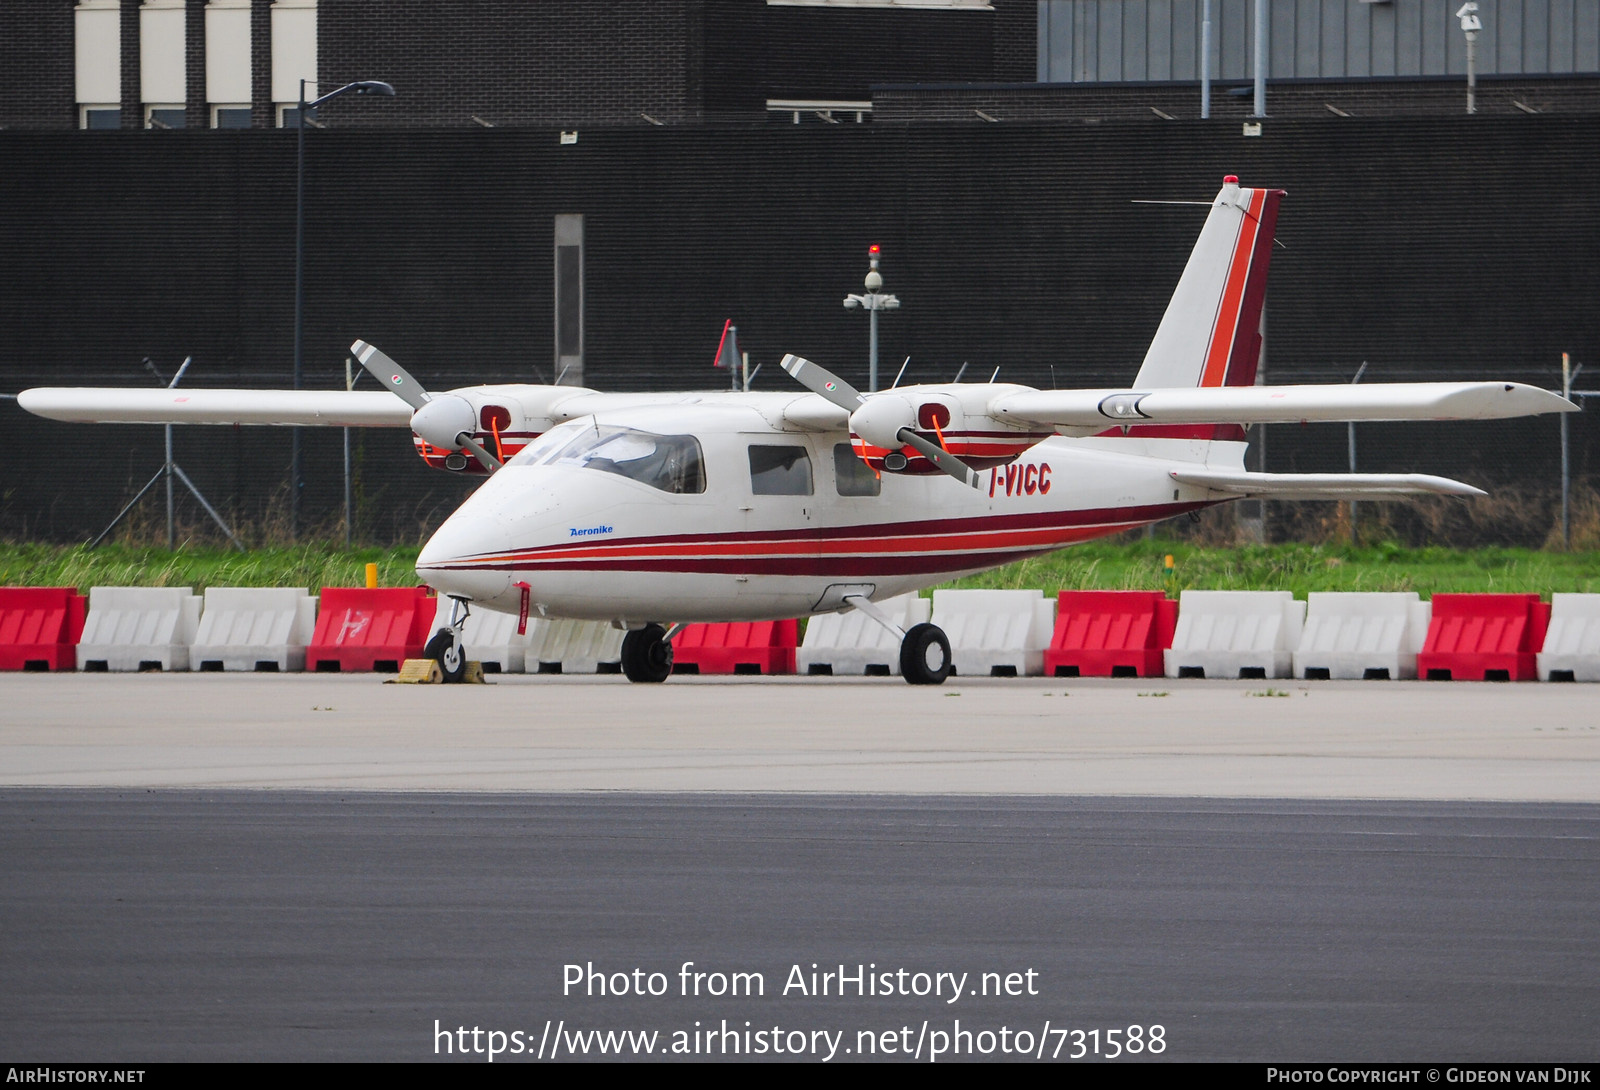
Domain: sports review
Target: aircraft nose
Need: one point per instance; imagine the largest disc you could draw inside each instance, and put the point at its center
(459, 560)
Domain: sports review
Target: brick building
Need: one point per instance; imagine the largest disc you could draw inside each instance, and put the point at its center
(238, 63)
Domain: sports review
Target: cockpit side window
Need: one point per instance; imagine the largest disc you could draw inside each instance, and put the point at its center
(779, 471)
(853, 476)
(672, 463)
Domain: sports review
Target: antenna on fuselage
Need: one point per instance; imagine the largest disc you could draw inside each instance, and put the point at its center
(901, 373)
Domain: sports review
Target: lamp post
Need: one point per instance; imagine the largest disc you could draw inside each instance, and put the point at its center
(360, 87)
(873, 300)
(1470, 26)
(1261, 60)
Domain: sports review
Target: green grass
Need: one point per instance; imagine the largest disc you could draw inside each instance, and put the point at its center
(1298, 568)
(1096, 566)
(310, 566)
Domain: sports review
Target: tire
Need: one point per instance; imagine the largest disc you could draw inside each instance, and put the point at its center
(925, 655)
(647, 654)
(446, 649)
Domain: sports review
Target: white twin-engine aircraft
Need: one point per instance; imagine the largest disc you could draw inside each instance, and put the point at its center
(654, 510)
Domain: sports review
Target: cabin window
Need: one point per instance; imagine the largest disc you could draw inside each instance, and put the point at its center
(779, 471)
(671, 463)
(854, 477)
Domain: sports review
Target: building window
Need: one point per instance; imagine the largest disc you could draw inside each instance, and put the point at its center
(163, 71)
(163, 116)
(230, 117)
(294, 55)
(97, 58)
(100, 117)
(228, 58)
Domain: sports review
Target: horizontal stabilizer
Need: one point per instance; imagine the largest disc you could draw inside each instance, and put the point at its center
(308, 408)
(1322, 486)
(1279, 404)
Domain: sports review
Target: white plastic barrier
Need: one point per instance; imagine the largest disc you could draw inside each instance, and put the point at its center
(489, 637)
(995, 632)
(573, 647)
(1362, 635)
(1572, 642)
(851, 643)
(1235, 633)
(254, 628)
(139, 628)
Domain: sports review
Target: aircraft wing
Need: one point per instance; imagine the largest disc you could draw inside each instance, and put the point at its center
(1278, 404)
(310, 408)
(1322, 486)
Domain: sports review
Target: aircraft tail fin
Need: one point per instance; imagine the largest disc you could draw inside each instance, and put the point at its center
(1211, 332)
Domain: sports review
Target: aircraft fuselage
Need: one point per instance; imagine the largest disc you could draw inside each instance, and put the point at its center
(772, 524)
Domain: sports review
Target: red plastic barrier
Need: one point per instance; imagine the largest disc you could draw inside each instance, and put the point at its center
(360, 629)
(743, 647)
(40, 627)
(1110, 633)
(1484, 637)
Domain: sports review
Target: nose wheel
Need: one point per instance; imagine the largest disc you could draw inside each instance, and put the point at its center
(647, 654)
(447, 648)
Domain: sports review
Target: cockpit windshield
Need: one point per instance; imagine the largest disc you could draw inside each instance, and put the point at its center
(547, 444)
(672, 463)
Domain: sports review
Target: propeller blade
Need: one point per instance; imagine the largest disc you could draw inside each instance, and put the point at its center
(940, 457)
(485, 459)
(821, 381)
(390, 375)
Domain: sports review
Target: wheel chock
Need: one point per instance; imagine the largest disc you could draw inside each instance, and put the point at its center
(427, 672)
(418, 672)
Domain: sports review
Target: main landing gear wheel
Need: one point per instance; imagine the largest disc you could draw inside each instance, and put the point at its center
(445, 648)
(925, 655)
(647, 654)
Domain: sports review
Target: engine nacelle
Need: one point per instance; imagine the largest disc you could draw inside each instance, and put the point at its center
(492, 416)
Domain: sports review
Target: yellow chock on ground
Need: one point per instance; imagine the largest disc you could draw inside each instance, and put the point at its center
(427, 672)
(418, 672)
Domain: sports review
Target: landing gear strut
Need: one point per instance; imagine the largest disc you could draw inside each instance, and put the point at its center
(446, 647)
(647, 654)
(925, 655)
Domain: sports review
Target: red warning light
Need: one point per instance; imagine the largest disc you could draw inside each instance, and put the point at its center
(1232, 179)
(874, 249)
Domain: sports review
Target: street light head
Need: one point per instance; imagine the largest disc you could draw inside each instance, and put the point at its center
(851, 302)
(360, 87)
